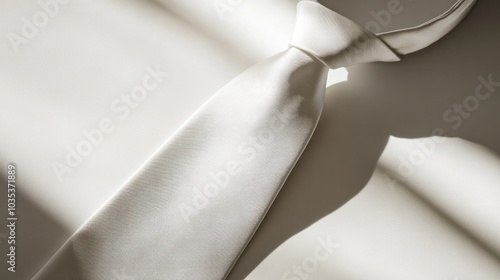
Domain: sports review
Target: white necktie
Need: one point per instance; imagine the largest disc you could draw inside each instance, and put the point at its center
(194, 205)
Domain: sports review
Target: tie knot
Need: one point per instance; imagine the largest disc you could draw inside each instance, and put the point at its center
(336, 40)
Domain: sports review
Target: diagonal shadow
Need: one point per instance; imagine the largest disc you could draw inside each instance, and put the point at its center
(38, 234)
(405, 99)
(233, 53)
(447, 219)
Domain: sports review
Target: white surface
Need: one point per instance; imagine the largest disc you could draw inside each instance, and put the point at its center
(66, 78)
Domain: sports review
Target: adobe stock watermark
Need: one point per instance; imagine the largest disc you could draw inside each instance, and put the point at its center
(381, 18)
(246, 152)
(31, 26)
(453, 116)
(226, 6)
(120, 108)
(424, 149)
(309, 265)
(459, 112)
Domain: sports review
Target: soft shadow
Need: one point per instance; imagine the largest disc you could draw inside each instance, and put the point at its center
(405, 99)
(38, 234)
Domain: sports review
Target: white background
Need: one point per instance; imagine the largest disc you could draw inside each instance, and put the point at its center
(65, 78)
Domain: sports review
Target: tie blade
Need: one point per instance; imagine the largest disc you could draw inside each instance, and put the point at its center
(192, 208)
(408, 40)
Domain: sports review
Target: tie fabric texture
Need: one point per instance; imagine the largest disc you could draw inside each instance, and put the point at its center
(191, 209)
